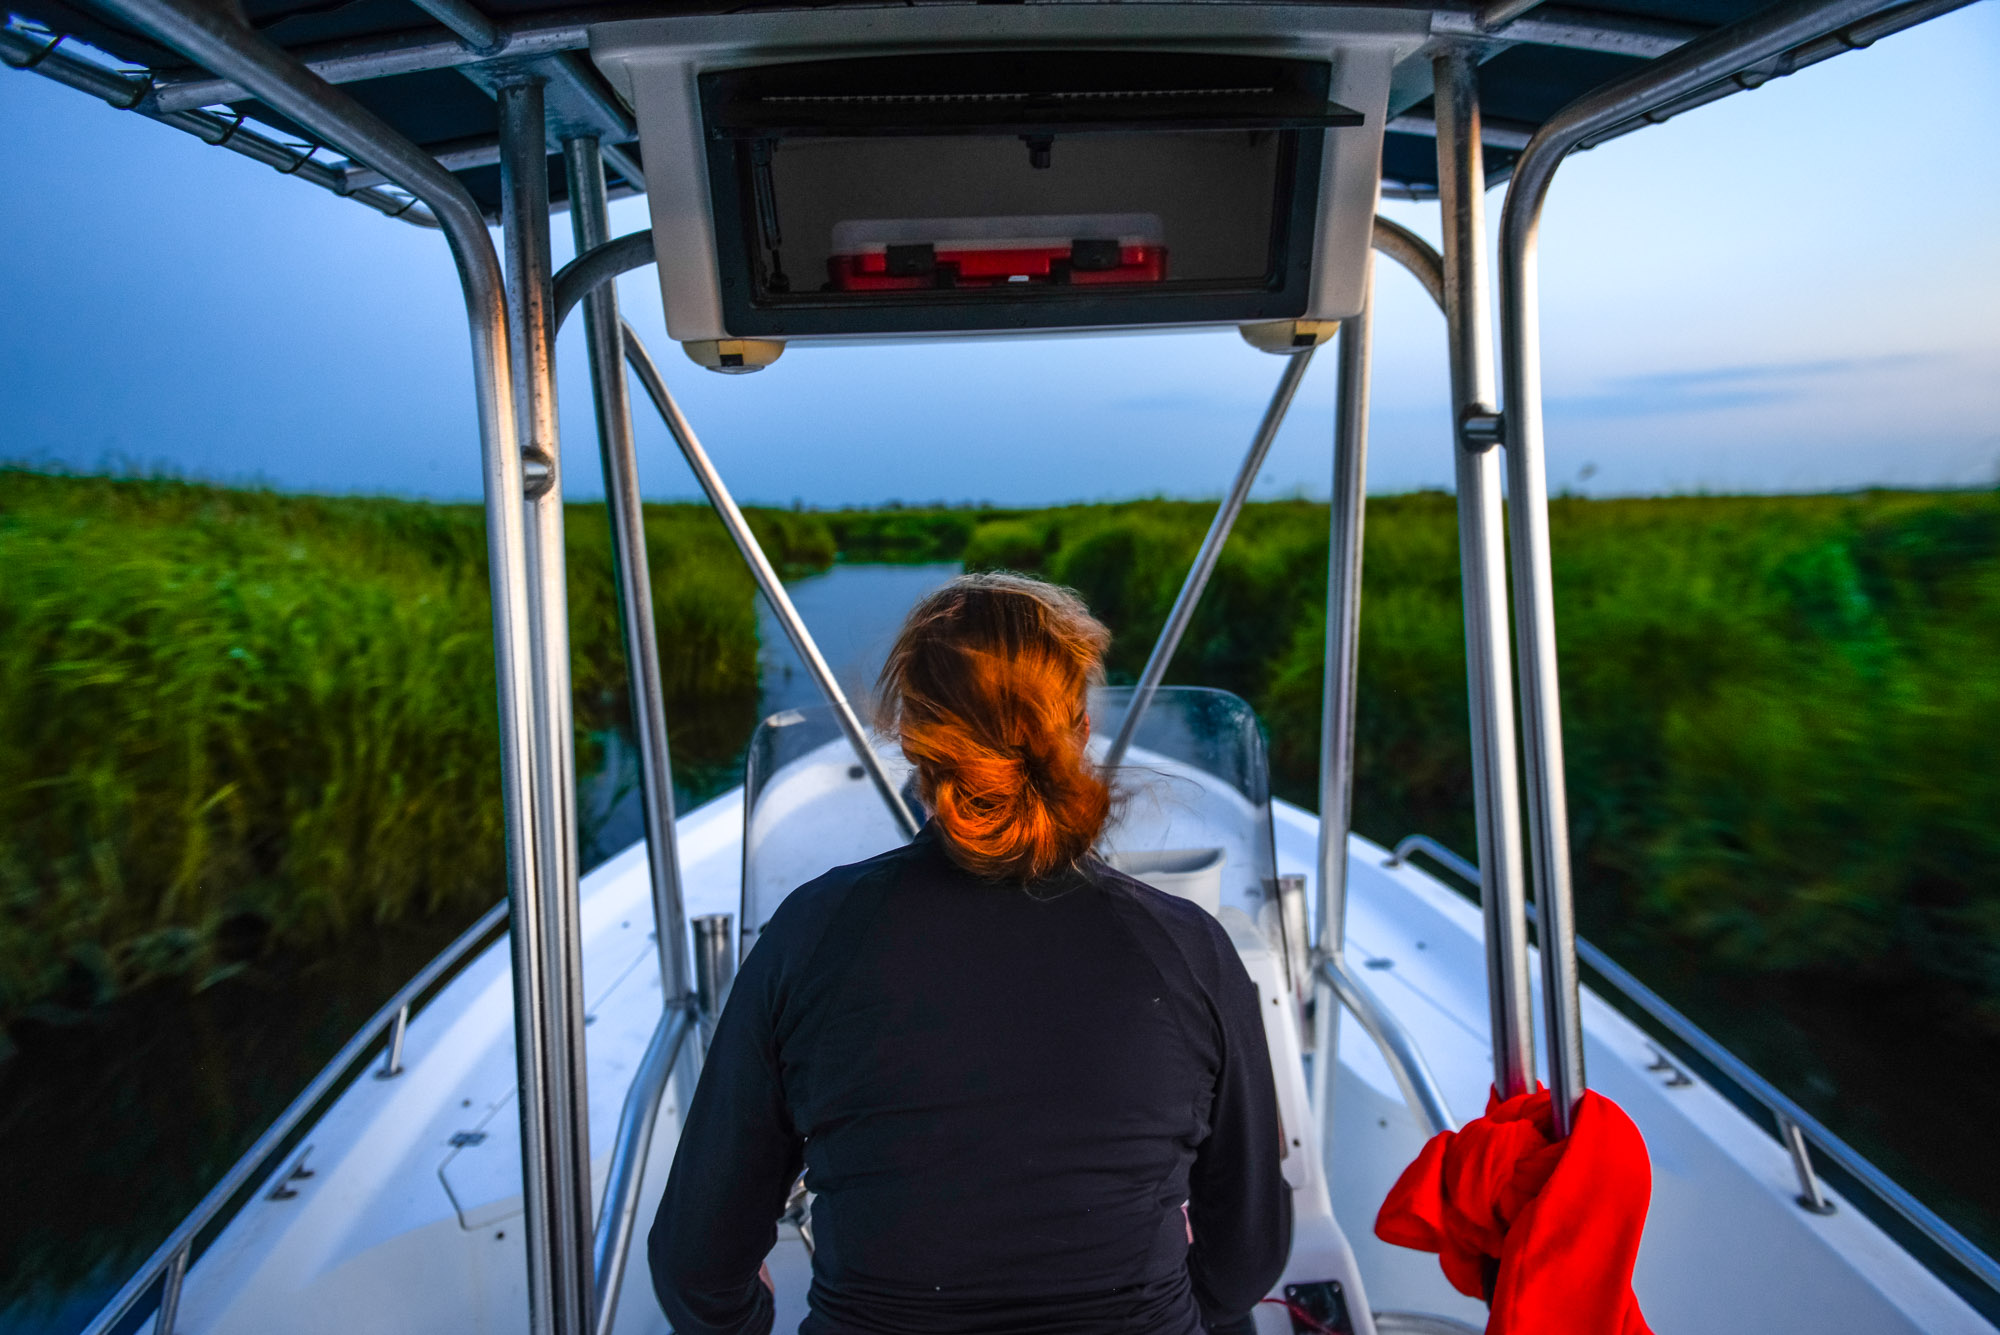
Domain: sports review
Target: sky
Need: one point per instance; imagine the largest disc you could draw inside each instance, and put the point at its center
(1793, 289)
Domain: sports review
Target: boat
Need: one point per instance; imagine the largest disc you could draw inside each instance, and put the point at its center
(480, 1156)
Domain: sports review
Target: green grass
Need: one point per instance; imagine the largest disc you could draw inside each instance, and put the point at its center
(1780, 713)
(232, 720)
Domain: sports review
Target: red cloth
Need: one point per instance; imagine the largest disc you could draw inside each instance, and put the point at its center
(1562, 1218)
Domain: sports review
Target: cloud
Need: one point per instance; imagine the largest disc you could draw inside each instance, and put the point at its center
(1719, 388)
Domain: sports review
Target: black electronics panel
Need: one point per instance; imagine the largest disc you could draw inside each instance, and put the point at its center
(1015, 190)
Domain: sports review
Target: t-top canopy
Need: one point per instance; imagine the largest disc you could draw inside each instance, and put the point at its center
(431, 82)
(1254, 137)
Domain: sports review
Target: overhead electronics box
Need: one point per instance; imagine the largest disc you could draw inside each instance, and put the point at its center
(898, 173)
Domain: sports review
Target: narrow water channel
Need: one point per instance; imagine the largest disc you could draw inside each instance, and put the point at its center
(113, 1125)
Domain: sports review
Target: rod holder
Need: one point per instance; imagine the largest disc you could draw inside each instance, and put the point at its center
(1811, 1199)
(392, 1058)
(714, 967)
(1293, 916)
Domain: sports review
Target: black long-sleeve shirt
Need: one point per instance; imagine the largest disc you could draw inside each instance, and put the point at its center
(1003, 1096)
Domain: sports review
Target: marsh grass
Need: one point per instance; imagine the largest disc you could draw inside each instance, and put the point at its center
(1781, 713)
(235, 719)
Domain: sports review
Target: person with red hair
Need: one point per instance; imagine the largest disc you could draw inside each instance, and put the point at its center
(1029, 1093)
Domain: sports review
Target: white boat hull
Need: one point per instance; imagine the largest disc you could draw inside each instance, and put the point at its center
(399, 1228)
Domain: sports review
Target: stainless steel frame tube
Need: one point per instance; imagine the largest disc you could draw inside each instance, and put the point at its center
(618, 1217)
(1483, 572)
(1346, 515)
(714, 968)
(1411, 251)
(210, 38)
(591, 228)
(1687, 70)
(561, 1168)
(1421, 1092)
(1211, 551)
(23, 50)
(1340, 688)
(772, 587)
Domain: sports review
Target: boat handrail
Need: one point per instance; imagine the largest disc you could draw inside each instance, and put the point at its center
(1796, 1128)
(1406, 1061)
(167, 1266)
(618, 1215)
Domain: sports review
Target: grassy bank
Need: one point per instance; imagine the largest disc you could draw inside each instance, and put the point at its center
(232, 720)
(1779, 712)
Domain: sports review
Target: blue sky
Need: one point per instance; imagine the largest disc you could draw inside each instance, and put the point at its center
(1793, 289)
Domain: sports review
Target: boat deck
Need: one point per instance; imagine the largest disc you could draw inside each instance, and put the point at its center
(411, 1219)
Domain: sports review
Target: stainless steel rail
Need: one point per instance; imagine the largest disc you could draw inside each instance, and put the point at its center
(555, 1120)
(1482, 568)
(1436, 852)
(1210, 552)
(216, 39)
(1570, 29)
(596, 265)
(1406, 1062)
(714, 968)
(1707, 61)
(768, 583)
(1795, 1127)
(484, 151)
(618, 1214)
(359, 59)
(620, 456)
(24, 50)
(1791, 1119)
(266, 1157)
(1339, 685)
(1411, 251)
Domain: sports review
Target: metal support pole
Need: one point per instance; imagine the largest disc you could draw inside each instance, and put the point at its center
(1483, 572)
(1810, 1197)
(618, 1216)
(1343, 621)
(1541, 718)
(560, 1170)
(1400, 1052)
(772, 587)
(20, 49)
(392, 1060)
(1339, 690)
(635, 582)
(1211, 551)
(1686, 71)
(170, 1292)
(1411, 251)
(212, 38)
(714, 968)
